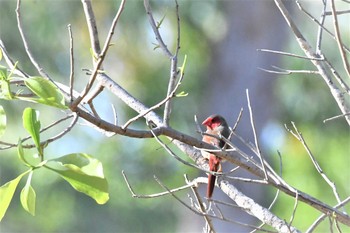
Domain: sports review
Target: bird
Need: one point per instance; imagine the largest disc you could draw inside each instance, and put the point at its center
(216, 125)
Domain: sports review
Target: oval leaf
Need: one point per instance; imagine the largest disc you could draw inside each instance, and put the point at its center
(28, 196)
(82, 163)
(84, 173)
(32, 124)
(95, 187)
(47, 92)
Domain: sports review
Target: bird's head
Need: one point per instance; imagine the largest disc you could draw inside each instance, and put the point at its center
(215, 121)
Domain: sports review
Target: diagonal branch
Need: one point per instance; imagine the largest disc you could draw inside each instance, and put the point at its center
(320, 65)
(100, 58)
(339, 40)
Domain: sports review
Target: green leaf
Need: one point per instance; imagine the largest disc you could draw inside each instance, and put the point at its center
(47, 92)
(32, 124)
(20, 153)
(5, 84)
(84, 174)
(0, 54)
(6, 193)
(182, 68)
(28, 196)
(82, 163)
(182, 94)
(2, 121)
(160, 22)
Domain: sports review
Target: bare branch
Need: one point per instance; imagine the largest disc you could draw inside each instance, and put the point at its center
(294, 209)
(336, 117)
(319, 64)
(323, 216)
(164, 101)
(288, 72)
(339, 40)
(60, 135)
(189, 185)
(92, 27)
(254, 209)
(320, 28)
(262, 160)
(71, 58)
(236, 123)
(25, 43)
(297, 134)
(161, 43)
(320, 24)
(11, 64)
(101, 57)
(289, 54)
(201, 206)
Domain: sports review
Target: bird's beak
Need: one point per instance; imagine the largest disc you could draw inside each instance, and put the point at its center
(207, 121)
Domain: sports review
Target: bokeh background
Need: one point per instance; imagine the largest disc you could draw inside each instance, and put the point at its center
(220, 39)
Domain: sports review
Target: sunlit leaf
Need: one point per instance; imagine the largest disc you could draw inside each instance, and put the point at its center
(182, 68)
(6, 193)
(2, 121)
(47, 92)
(28, 196)
(83, 173)
(160, 22)
(182, 94)
(93, 186)
(82, 163)
(32, 124)
(3, 73)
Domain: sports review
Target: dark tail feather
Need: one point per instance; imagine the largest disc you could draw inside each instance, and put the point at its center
(211, 184)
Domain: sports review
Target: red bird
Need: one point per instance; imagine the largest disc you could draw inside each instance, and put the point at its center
(216, 125)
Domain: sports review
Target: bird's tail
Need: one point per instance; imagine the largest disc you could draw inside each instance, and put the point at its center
(211, 184)
(213, 166)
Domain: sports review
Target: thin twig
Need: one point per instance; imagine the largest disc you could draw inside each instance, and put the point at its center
(198, 212)
(289, 54)
(142, 114)
(337, 12)
(10, 145)
(337, 77)
(25, 43)
(201, 205)
(101, 57)
(336, 117)
(71, 59)
(257, 146)
(320, 28)
(288, 72)
(152, 22)
(294, 209)
(236, 123)
(12, 65)
(173, 70)
(306, 47)
(188, 185)
(319, 24)
(297, 134)
(323, 216)
(339, 40)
